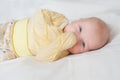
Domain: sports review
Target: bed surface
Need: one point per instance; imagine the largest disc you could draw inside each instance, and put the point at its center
(102, 64)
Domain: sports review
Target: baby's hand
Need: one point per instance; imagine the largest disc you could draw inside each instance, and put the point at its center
(68, 39)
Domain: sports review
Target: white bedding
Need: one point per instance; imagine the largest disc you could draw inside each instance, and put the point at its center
(102, 64)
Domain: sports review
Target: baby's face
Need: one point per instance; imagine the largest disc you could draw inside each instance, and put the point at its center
(89, 35)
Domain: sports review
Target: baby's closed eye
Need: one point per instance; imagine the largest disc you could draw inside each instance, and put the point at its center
(80, 28)
(83, 44)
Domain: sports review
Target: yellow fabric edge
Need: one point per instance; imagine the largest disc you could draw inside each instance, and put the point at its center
(28, 53)
(12, 32)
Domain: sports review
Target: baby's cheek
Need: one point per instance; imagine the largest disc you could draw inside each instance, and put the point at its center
(75, 49)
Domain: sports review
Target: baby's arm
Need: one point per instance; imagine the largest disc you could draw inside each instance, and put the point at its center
(53, 18)
(57, 49)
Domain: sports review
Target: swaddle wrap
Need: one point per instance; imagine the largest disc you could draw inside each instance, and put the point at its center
(45, 36)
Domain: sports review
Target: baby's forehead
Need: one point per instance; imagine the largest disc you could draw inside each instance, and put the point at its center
(90, 23)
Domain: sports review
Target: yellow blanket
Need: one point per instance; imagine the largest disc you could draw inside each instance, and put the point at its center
(42, 36)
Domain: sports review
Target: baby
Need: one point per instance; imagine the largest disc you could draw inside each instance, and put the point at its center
(91, 34)
(48, 36)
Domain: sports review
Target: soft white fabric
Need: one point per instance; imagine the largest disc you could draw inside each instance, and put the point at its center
(102, 64)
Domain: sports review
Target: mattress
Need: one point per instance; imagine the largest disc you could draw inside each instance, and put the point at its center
(101, 64)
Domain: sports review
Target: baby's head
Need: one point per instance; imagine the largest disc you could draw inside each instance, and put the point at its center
(91, 34)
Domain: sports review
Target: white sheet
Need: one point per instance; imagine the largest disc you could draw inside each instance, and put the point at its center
(102, 64)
